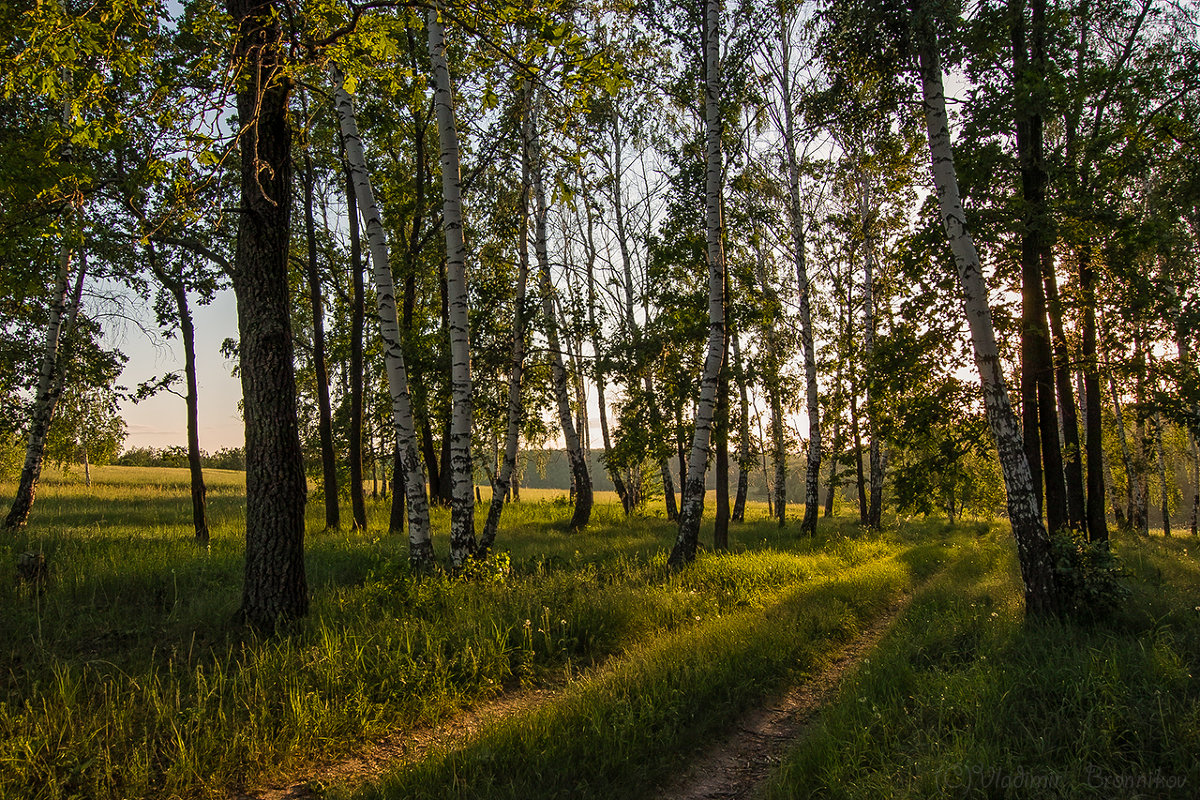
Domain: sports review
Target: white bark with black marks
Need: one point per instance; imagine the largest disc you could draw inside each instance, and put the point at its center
(419, 543)
(462, 482)
(692, 508)
(1033, 544)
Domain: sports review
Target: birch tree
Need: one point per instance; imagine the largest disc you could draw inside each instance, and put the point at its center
(420, 545)
(1033, 543)
(462, 509)
(692, 508)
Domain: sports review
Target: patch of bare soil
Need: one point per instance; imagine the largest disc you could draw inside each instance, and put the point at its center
(399, 747)
(735, 767)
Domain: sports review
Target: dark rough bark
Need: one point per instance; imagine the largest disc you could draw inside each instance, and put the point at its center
(1039, 407)
(1097, 522)
(721, 435)
(744, 456)
(275, 590)
(333, 519)
(399, 487)
(1072, 452)
(358, 503)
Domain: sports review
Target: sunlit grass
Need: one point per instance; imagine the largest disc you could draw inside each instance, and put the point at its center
(127, 677)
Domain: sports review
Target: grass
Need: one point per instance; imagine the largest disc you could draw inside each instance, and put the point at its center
(967, 699)
(127, 677)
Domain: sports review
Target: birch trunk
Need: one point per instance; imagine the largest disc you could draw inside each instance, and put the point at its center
(875, 505)
(64, 310)
(512, 436)
(812, 473)
(692, 508)
(462, 501)
(1033, 544)
(558, 373)
(420, 546)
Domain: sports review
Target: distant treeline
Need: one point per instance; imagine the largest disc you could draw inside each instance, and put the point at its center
(176, 456)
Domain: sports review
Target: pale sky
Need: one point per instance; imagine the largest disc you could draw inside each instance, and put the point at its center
(161, 421)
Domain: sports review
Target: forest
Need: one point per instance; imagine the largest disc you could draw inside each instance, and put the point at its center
(828, 320)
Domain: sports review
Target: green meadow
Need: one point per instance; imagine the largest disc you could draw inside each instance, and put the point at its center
(127, 677)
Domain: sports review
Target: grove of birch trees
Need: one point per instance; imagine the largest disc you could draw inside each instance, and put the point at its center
(894, 258)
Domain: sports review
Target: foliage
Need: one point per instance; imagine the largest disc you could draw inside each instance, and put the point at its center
(1089, 578)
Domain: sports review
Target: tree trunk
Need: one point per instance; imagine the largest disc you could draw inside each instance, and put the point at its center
(721, 434)
(1033, 544)
(858, 459)
(420, 546)
(333, 519)
(744, 455)
(875, 505)
(504, 479)
(462, 509)
(812, 474)
(1039, 410)
(579, 470)
(1164, 491)
(396, 517)
(275, 589)
(1126, 456)
(1097, 522)
(692, 508)
(358, 503)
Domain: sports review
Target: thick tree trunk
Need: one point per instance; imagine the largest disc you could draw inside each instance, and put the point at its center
(275, 589)
(64, 310)
(396, 517)
(420, 545)
(358, 503)
(333, 519)
(504, 478)
(1033, 544)
(558, 373)
(692, 508)
(1039, 411)
(462, 509)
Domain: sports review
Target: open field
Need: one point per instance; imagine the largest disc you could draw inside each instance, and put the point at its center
(128, 678)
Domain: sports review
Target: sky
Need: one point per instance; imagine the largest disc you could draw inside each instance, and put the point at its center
(161, 421)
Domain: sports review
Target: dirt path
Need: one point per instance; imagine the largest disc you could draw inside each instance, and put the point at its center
(399, 748)
(731, 769)
(735, 767)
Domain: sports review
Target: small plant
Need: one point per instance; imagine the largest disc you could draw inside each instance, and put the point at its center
(1091, 581)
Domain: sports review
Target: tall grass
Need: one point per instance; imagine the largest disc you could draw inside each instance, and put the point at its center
(127, 677)
(967, 699)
